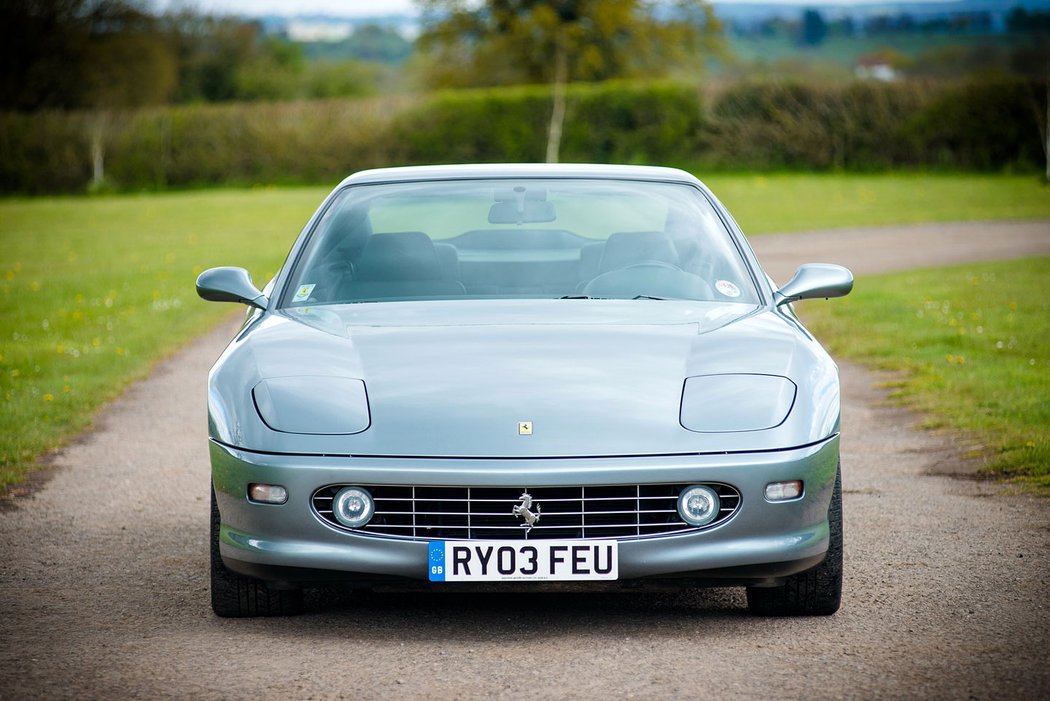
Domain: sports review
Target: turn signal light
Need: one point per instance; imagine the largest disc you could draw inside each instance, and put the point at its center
(783, 491)
(267, 493)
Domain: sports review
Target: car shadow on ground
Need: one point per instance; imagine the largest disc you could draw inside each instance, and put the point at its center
(463, 617)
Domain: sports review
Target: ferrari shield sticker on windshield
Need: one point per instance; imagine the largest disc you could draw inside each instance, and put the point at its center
(727, 288)
(303, 293)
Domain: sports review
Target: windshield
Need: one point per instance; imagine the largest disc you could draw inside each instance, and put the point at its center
(514, 239)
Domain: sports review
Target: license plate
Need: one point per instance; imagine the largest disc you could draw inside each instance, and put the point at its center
(516, 560)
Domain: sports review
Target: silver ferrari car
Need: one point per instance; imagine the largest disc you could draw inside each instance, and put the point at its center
(510, 377)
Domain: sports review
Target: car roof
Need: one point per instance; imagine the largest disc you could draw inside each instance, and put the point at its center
(519, 170)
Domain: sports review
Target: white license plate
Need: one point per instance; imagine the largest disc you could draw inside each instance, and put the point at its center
(518, 560)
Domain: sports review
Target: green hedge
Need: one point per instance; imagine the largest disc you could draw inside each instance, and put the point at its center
(759, 126)
(620, 123)
(604, 122)
(44, 152)
(197, 145)
(876, 126)
(474, 126)
(982, 126)
(772, 125)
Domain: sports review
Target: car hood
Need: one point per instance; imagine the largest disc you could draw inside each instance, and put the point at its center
(457, 379)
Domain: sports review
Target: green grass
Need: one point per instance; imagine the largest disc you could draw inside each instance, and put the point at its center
(93, 291)
(972, 345)
(764, 204)
(843, 51)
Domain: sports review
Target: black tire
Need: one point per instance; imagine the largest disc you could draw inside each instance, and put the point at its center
(815, 592)
(236, 596)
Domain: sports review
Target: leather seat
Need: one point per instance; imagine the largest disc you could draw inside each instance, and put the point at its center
(407, 255)
(631, 247)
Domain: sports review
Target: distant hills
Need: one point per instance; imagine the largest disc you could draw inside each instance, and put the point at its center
(743, 11)
(763, 10)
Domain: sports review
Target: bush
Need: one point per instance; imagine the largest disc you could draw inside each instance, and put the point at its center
(630, 123)
(604, 122)
(984, 126)
(775, 125)
(44, 152)
(197, 145)
(758, 126)
(465, 126)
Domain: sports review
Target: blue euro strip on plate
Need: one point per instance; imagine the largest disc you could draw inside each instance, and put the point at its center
(436, 561)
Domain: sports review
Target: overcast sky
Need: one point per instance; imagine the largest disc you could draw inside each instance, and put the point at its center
(360, 8)
(354, 8)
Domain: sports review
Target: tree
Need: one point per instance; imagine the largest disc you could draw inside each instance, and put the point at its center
(98, 55)
(67, 54)
(814, 28)
(500, 42)
(209, 51)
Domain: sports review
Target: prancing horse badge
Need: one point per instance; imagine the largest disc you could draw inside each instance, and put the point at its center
(524, 428)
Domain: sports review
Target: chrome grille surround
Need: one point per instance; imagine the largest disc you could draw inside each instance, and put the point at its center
(621, 512)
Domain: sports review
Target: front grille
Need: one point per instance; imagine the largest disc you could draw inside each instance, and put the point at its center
(486, 513)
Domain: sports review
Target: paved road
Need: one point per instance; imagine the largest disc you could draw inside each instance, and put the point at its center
(103, 581)
(876, 250)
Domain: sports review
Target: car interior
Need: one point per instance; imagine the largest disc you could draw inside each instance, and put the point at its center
(520, 255)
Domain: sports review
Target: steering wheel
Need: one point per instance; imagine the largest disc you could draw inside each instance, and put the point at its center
(650, 264)
(654, 277)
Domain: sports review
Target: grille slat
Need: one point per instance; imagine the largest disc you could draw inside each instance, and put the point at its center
(624, 512)
(540, 528)
(501, 514)
(508, 502)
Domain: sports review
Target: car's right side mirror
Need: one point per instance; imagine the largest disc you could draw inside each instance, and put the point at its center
(814, 280)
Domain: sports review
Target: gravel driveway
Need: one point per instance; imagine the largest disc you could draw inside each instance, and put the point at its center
(104, 585)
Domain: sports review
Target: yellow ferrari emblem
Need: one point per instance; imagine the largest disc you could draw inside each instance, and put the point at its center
(524, 428)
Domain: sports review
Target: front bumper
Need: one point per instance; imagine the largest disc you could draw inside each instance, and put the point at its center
(289, 544)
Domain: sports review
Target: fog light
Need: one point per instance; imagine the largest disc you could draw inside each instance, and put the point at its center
(267, 493)
(698, 506)
(783, 491)
(352, 507)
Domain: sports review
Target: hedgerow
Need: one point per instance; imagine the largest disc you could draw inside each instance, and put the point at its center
(860, 126)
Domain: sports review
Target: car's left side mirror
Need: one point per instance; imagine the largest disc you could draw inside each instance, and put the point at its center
(814, 280)
(228, 284)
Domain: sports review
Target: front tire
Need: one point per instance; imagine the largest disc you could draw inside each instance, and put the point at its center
(815, 592)
(236, 596)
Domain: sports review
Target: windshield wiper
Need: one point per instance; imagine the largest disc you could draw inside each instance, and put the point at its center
(635, 297)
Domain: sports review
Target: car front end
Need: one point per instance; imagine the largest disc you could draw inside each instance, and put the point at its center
(540, 397)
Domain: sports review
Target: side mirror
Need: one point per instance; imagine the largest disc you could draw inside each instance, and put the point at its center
(230, 285)
(814, 280)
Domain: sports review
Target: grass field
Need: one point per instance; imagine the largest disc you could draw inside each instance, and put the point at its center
(775, 203)
(972, 346)
(843, 51)
(93, 291)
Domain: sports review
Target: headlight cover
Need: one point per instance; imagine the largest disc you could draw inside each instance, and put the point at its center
(313, 405)
(736, 402)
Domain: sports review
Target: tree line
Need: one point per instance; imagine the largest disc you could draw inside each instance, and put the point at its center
(113, 54)
(859, 126)
(105, 54)
(101, 59)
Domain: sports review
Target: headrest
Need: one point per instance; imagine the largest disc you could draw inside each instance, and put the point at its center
(407, 255)
(351, 227)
